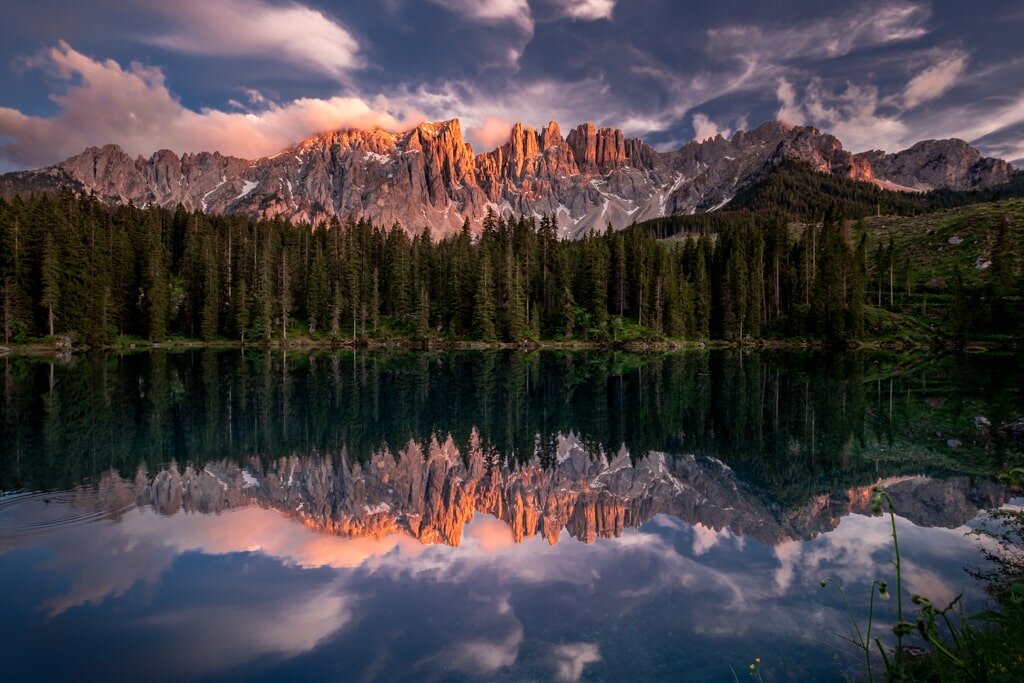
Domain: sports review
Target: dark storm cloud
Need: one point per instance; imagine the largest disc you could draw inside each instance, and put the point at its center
(250, 76)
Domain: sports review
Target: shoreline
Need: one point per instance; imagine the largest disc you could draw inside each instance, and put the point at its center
(62, 348)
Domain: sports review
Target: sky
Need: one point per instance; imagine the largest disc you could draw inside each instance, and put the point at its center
(252, 77)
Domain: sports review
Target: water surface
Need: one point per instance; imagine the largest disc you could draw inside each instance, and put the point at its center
(463, 516)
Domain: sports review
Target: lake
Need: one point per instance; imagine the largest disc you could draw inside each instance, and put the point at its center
(262, 515)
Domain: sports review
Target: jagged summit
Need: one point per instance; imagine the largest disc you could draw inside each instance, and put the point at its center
(430, 178)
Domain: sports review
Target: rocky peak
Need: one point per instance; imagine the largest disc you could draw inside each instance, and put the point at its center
(931, 164)
(639, 154)
(447, 159)
(601, 149)
(551, 136)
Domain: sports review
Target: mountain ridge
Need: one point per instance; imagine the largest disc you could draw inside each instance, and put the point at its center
(429, 178)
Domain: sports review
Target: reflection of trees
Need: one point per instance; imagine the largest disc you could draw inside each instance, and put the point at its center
(792, 423)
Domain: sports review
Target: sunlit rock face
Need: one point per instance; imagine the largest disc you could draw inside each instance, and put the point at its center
(433, 495)
(430, 179)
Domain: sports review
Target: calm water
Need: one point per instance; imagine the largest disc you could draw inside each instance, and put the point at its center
(477, 516)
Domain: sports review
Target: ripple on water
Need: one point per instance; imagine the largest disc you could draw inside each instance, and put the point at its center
(30, 512)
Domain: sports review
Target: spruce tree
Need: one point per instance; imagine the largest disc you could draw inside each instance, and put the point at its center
(483, 308)
(50, 300)
(317, 293)
(156, 286)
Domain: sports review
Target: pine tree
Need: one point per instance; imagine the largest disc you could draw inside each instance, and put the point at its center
(515, 303)
(317, 293)
(423, 315)
(284, 294)
(568, 321)
(734, 299)
(51, 282)
(702, 291)
(241, 310)
(156, 287)
(211, 293)
(858, 286)
(483, 309)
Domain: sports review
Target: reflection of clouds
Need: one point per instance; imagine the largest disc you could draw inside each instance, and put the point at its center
(860, 548)
(220, 635)
(112, 558)
(716, 586)
(704, 539)
(103, 564)
(479, 655)
(484, 656)
(572, 658)
(490, 533)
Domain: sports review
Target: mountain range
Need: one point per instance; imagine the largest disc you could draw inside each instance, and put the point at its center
(429, 178)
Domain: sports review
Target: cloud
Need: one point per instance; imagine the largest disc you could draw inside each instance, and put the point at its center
(763, 49)
(862, 118)
(852, 114)
(103, 102)
(790, 112)
(231, 632)
(934, 81)
(704, 128)
(515, 12)
(518, 12)
(572, 658)
(827, 38)
(588, 10)
(251, 28)
(479, 655)
(492, 132)
(485, 656)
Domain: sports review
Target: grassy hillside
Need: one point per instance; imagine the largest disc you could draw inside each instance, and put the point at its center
(929, 250)
(924, 240)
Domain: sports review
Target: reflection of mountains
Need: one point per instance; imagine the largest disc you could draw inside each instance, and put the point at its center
(432, 496)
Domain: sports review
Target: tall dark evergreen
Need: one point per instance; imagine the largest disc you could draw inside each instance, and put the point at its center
(484, 328)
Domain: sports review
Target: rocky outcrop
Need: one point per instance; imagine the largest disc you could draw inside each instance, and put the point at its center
(430, 179)
(432, 496)
(933, 164)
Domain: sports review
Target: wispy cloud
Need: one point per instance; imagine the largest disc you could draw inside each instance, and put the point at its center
(293, 33)
(935, 80)
(863, 118)
(514, 12)
(830, 37)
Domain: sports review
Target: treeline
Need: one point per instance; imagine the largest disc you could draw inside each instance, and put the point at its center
(73, 266)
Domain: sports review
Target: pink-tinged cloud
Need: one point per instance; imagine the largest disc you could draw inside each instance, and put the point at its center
(104, 102)
(935, 80)
(704, 128)
(490, 533)
(251, 28)
(492, 132)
